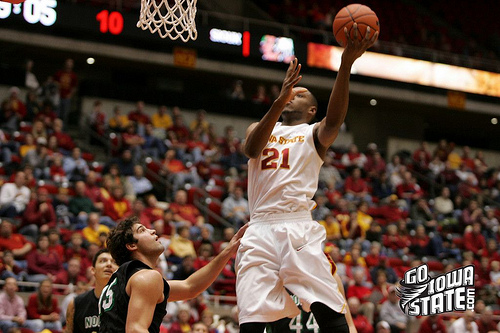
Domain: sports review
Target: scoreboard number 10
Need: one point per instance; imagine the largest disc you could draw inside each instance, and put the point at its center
(111, 22)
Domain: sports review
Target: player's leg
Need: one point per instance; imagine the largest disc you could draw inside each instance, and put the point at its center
(308, 274)
(329, 320)
(278, 326)
(252, 327)
(260, 293)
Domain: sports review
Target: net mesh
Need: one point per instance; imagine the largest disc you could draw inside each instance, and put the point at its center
(169, 18)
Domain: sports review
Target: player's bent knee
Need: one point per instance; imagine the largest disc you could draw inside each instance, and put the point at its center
(328, 319)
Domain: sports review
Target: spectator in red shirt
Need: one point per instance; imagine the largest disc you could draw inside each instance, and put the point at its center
(473, 213)
(75, 248)
(181, 131)
(361, 323)
(138, 210)
(467, 158)
(46, 115)
(474, 241)
(43, 263)
(138, 115)
(373, 258)
(39, 215)
(394, 243)
(375, 166)
(492, 250)
(64, 140)
(433, 324)
(15, 104)
(16, 243)
(55, 242)
(154, 210)
(419, 242)
(133, 141)
(187, 213)
(205, 255)
(409, 190)
(93, 191)
(389, 213)
(117, 207)
(422, 153)
(43, 306)
(356, 189)
(357, 288)
(72, 275)
(68, 82)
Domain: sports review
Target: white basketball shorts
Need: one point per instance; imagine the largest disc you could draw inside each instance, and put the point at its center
(284, 251)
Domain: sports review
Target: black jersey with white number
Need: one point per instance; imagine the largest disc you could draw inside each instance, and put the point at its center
(86, 318)
(113, 303)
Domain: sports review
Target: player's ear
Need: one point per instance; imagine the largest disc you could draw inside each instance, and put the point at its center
(131, 246)
(312, 111)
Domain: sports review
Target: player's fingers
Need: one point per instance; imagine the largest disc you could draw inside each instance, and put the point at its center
(355, 27)
(242, 230)
(367, 34)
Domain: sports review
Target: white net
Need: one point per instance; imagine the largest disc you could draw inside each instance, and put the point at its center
(169, 18)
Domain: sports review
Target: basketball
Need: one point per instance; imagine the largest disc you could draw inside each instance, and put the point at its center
(345, 18)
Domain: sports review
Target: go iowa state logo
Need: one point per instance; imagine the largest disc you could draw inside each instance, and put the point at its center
(421, 295)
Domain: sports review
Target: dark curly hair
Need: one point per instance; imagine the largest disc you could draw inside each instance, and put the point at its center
(119, 238)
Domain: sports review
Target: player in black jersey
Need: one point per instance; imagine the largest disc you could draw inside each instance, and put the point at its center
(82, 315)
(135, 298)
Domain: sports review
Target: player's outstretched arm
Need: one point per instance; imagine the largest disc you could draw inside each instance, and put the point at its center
(70, 317)
(348, 316)
(258, 134)
(328, 129)
(200, 280)
(146, 290)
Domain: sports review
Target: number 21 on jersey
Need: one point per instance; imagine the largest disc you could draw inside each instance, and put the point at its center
(273, 157)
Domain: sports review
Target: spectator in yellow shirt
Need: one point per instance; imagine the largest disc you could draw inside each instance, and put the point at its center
(161, 119)
(332, 228)
(93, 230)
(118, 122)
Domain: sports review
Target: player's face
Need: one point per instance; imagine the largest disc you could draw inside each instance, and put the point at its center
(105, 266)
(147, 240)
(299, 107)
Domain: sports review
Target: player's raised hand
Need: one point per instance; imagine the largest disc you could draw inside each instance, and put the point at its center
(356, 47)
(233, 245)
(292, 77)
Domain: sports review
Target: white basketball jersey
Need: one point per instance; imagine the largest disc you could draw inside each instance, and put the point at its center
(284, 178)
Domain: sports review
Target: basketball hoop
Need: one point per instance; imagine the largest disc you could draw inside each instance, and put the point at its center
(169, 18)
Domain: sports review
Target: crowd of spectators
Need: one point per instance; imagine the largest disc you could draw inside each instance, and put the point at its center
(382, 214)
(434, 25)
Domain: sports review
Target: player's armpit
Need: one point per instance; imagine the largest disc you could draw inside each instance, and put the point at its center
(146, 290)
(70, 317)
(326, 135)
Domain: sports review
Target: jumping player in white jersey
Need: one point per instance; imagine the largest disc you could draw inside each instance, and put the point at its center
(282, 248)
